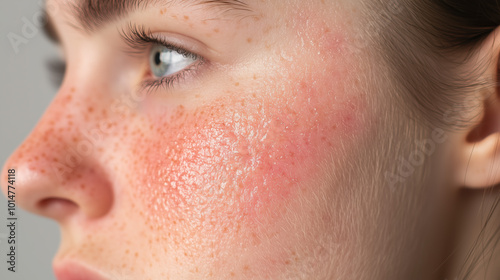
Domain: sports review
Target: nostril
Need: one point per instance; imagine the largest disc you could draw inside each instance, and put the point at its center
(57, 208)
(85, 192)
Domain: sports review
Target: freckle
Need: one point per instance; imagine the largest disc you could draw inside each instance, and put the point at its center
(255, 239)
(237, 84)
(232, 274)
(174, 16)
(136, 254)
(91, 109)
(249, 40)
(216, 30)
(186, 17)
(67, 99)
(73, 89)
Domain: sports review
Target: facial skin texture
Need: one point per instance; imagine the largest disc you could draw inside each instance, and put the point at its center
(252, 168)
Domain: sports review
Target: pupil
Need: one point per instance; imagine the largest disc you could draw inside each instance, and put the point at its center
(157, 58)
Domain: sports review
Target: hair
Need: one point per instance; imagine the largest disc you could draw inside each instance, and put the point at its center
(426, 45)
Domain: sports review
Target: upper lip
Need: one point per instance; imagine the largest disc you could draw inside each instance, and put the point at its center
(69, 270)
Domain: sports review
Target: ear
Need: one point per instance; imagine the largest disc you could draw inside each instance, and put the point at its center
(479, 164)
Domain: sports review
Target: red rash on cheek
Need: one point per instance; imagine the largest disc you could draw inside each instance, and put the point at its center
(256, 146)
(212, 172)
(239, 155)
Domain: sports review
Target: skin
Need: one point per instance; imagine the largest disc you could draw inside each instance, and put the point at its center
(264, 164)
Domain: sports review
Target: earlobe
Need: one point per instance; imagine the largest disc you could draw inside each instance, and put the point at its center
(480, 158)
(479, 165)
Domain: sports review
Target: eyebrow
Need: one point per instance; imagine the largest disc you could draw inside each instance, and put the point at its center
(94, 14)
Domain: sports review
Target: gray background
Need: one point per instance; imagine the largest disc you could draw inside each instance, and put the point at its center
(25, 92)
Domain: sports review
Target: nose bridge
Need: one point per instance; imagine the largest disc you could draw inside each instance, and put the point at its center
(67, 136)
(73, 132)
(59, 164)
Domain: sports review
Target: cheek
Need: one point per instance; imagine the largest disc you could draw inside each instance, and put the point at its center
(237, 158)
(228, 168)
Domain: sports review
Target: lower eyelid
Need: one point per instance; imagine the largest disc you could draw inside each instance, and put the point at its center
(168, 83)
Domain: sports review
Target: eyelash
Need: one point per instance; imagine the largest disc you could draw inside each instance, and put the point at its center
(140, 41)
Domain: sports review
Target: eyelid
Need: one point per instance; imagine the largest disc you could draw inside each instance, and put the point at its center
(138, 39)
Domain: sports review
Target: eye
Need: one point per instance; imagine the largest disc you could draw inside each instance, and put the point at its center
(165, 61)
(169, 64)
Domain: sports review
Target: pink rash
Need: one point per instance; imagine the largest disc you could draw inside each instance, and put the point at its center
(240, 154)
(254, 148)
(235, 162)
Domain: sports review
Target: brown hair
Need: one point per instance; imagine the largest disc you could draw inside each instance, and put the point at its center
(425, 44)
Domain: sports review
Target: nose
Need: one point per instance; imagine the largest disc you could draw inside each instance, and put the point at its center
(57, 171)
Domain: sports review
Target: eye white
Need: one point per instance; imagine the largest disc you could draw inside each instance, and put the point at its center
(165, 61)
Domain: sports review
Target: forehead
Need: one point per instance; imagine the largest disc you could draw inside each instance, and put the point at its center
(90, 15)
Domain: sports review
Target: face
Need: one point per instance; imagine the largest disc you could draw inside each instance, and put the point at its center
(198, 141)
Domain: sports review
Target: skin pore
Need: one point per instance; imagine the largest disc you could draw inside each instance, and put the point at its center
(264, 160)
